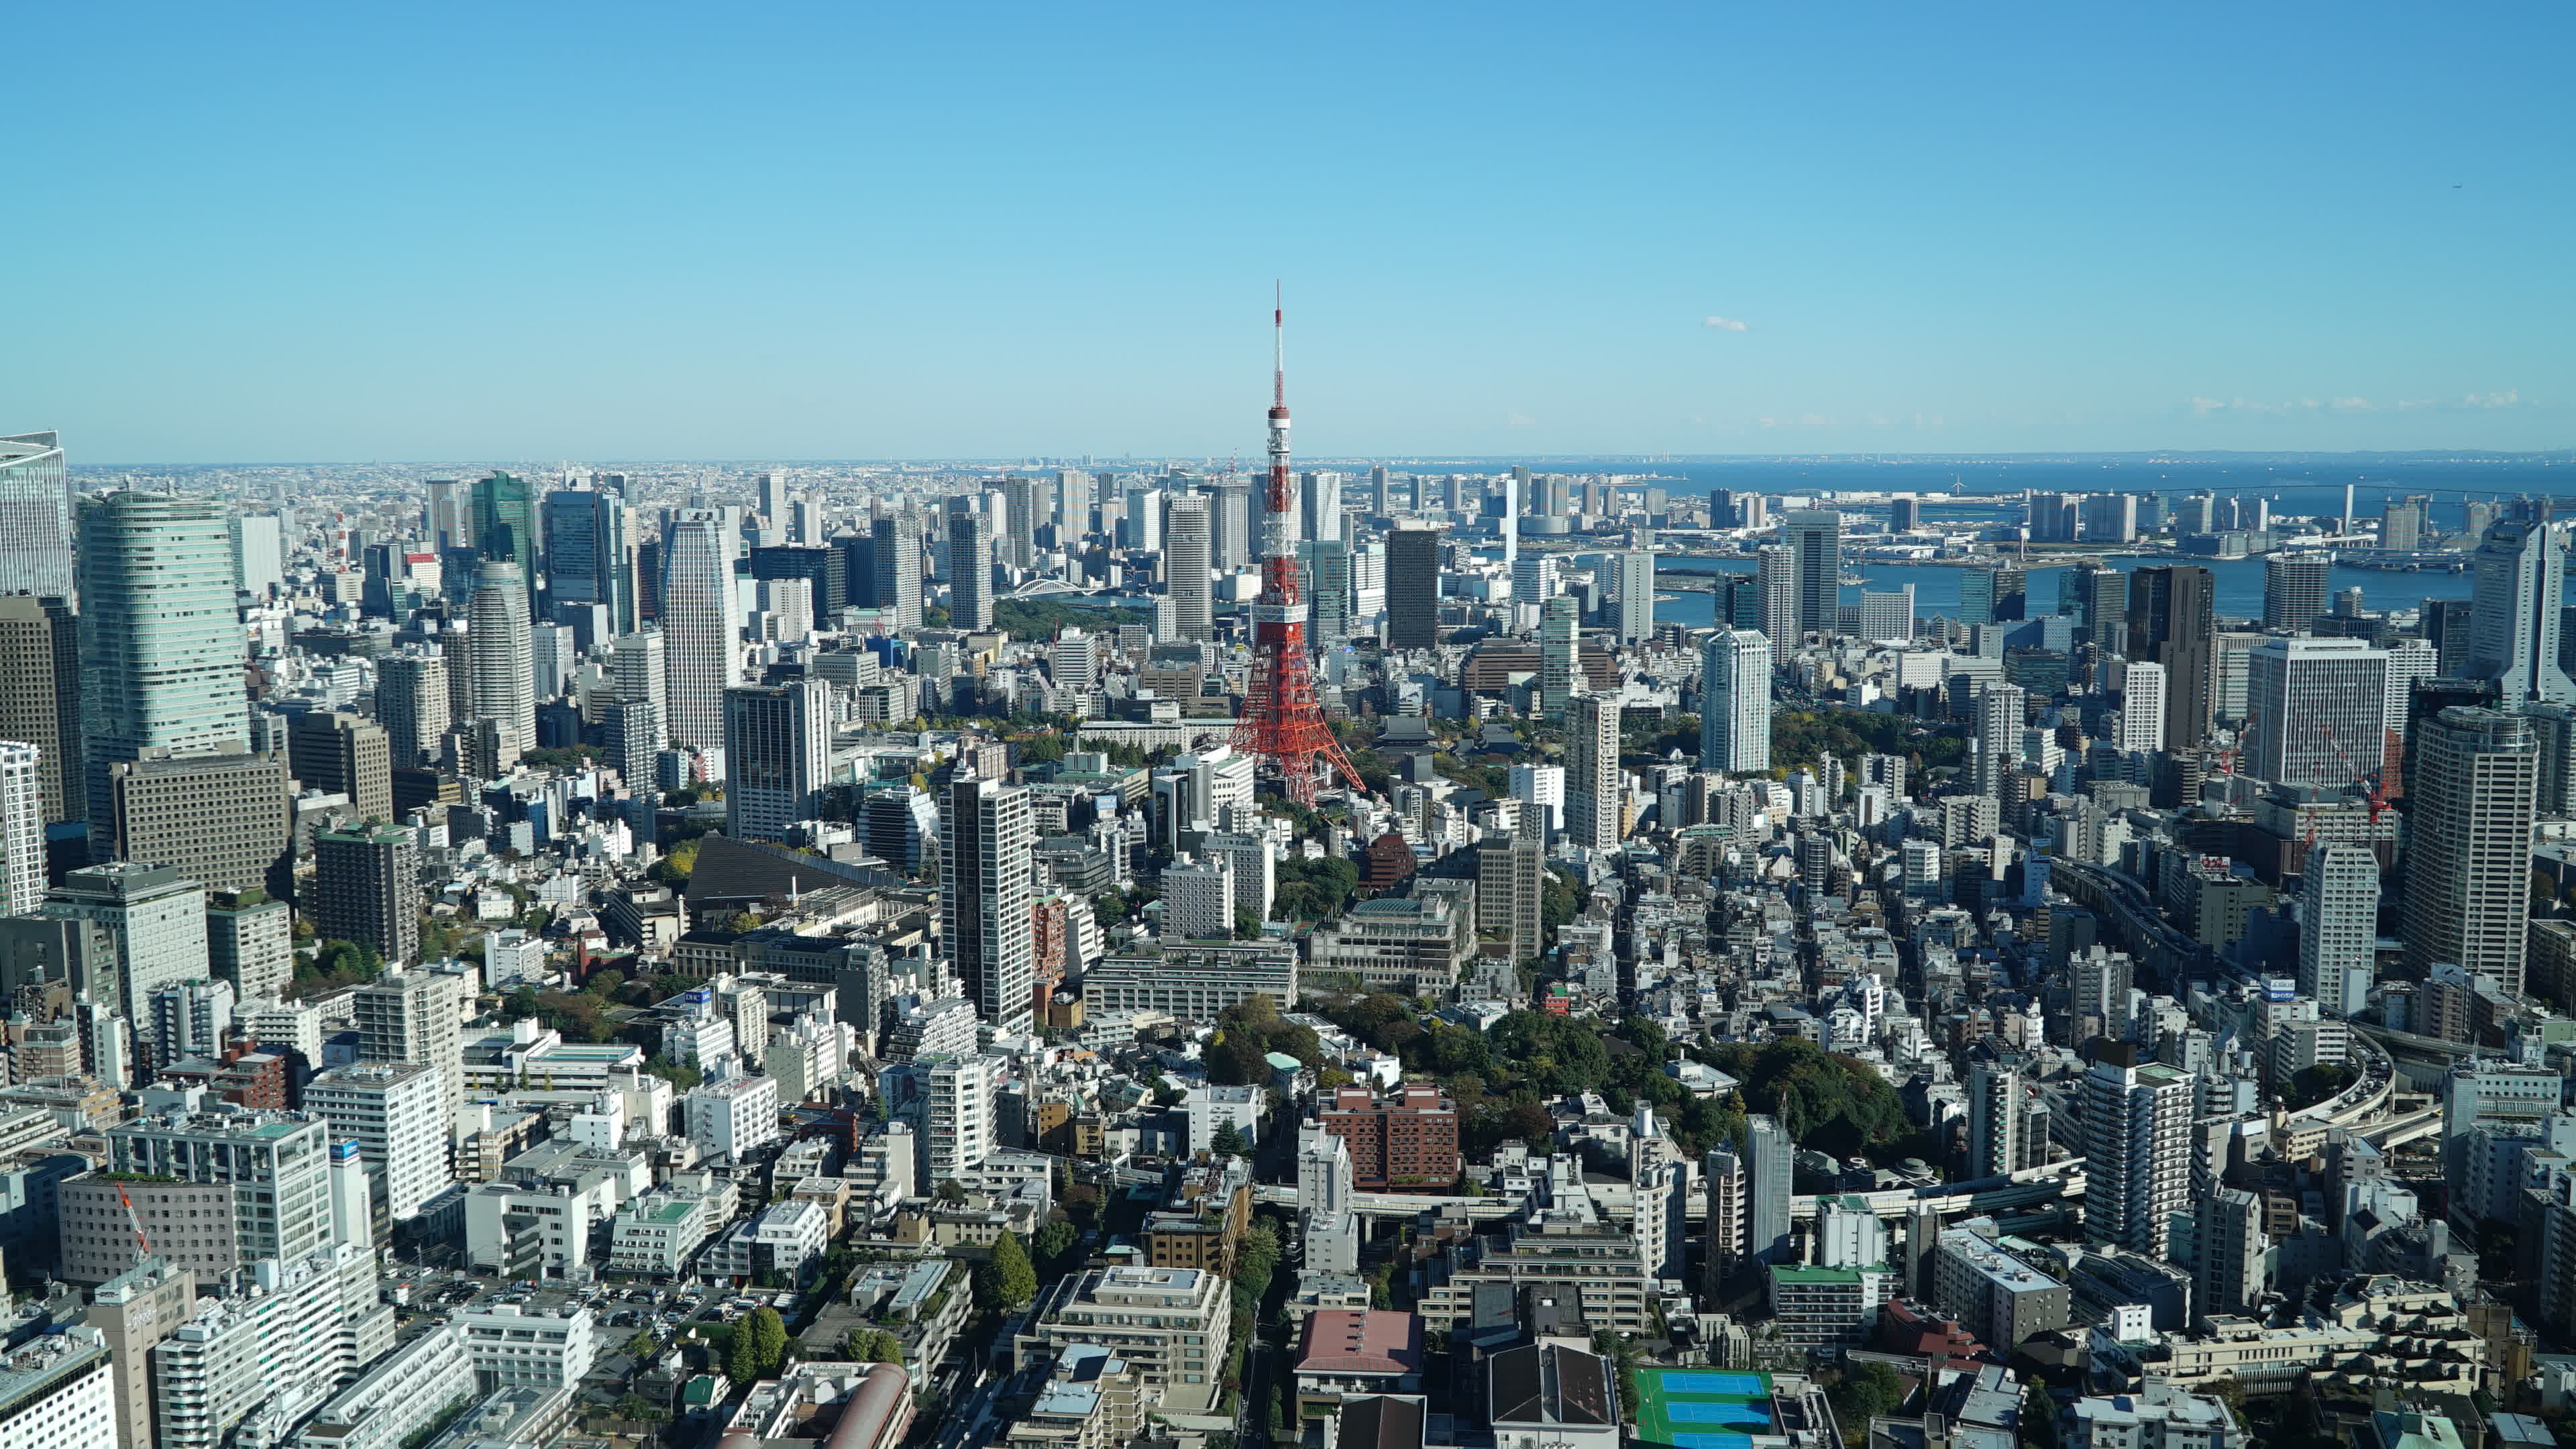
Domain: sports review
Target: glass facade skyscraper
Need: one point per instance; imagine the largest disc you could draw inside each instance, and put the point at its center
(35, 516)
(161, 640)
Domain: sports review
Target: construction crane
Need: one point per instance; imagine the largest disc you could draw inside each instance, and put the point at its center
(142, 1244)
(2374, 783)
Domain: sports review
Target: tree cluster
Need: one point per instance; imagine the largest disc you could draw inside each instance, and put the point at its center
(871, 1345)
(1315, 889)
(759, 1347)
(1805, 736)
(1833, 1103)
(1007, 1280)
(1245, 1036)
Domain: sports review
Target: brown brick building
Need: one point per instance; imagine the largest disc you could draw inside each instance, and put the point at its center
(1407, 1142)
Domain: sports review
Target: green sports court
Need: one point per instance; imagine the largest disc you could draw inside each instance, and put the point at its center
(1702, 1408)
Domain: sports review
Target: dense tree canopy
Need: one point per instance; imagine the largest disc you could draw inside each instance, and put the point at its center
(1804, 736)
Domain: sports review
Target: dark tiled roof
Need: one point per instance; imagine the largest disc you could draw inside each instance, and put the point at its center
(1381, 1423)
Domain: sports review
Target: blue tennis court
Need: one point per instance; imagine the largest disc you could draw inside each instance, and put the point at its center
(1713, 1441)
(1679, 1383)
(1691, 1413)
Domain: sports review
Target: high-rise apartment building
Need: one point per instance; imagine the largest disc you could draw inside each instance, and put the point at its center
(411, 703)
(895, 554)
(1632, 598)
(778, 755)
(1560, 638)
(250, 942)
(2137, 1142)
(346, 754)
(22, 830)
(413, 1016)
(2294, 589)
(2338, 926)
(1511, 875)
(505, 524)
(970, 571)
(959, 1092)
(1767, 1177)
(40, 693)
(224, 821)
(366, 889)
(1413, 588)
(134, 1311)
(702, 624)
(503, 686)
(230, 1373)
(2516, 608)
(987, 834)
(1595, 797)
(1775, 580)
(2142, 707)
(2171, 623)
(1814, 538)
(2229, 1277)
(145, 928)
(1994, 1120)
(2467, 876)
(35, 516)
(1735, 707)
(1186, 563)
(2317, 707)
(161, 643)
(391, 1110)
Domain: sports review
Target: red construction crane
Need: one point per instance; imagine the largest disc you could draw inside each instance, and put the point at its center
(142, 1244)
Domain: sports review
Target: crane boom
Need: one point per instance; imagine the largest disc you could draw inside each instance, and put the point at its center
(142, 1244)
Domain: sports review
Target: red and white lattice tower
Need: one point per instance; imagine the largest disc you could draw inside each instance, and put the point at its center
(1282, 722)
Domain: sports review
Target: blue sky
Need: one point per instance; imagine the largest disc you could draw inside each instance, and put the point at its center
(280, 232)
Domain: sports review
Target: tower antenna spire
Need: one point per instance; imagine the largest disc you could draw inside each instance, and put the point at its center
(1278, 345)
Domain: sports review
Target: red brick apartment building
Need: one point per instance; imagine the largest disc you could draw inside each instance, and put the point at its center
(1407, 1142)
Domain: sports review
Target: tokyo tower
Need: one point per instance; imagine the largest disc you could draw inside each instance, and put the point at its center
(1282, 722)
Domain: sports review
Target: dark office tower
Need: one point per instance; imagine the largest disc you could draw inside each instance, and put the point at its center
(505, 523)
(590, 553)
(1905, 515)
(366, 889)
(1379, 503)
(1325, 568)
(2447, 628)
(345, 755)
(2099, 599)
(1993, 594)
(856, 558)
(815, 563)
(1453, 492)
(35, 516)
(40, 697)
(2294, 589)
(648, 582)
(1721, 509)
(1815, 540)
(1413, 588)
(896, 552)
(2514, 619)
(970, 571)
(2172, 623)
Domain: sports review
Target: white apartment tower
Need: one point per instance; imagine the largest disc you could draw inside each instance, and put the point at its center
(504, 684)
(2142, 708)
(22, 830)
(2338, 926)
(1735, 711)
(1594, 801)
(986, 842)
(2137, 1153)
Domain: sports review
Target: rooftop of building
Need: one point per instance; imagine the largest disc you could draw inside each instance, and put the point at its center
(1348, 1341)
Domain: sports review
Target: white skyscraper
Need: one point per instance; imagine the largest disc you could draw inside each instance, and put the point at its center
(1632, 602)
(637, 670)
(2521, 570)
(1198, 900)
(503, 686)
(2318, 706)
(701, 625)
(986, 839)
(2137, 1160)
(1594, 799)
(2338, 926)
(1887, 616)
(2468, 844)
(1735, 710)
(2142, 708)
(22, 830)
(1185, 564)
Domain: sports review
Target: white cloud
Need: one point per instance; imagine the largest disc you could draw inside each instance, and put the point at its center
(1724, 324)
(2508, 398)
(1522, 420)
(2352, 405)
